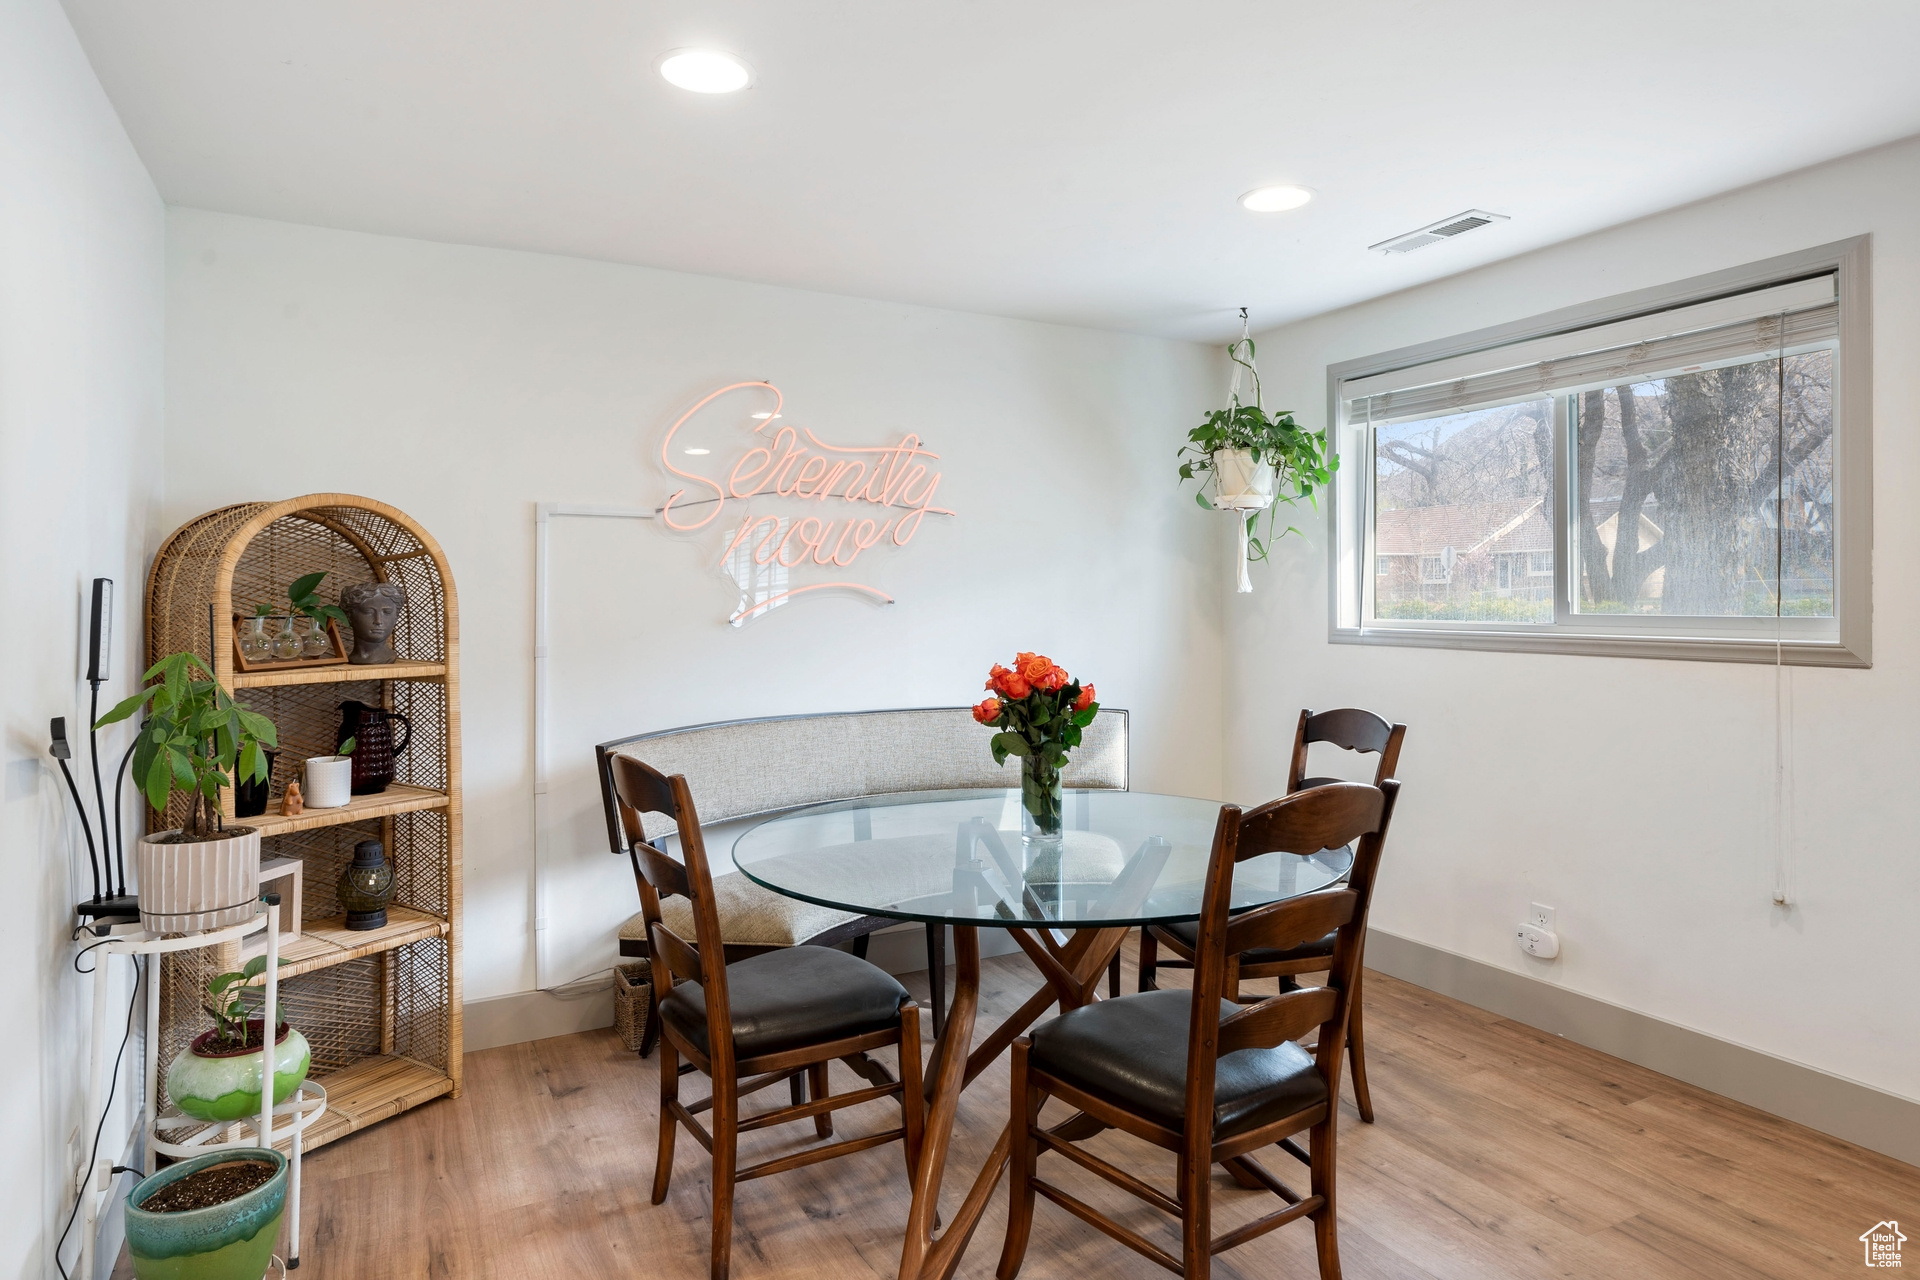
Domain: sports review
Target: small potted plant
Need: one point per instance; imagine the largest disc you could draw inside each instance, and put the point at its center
(330, 778)
(196, 739)
(1040, 712)
(218, 1077)
(212, 1216)
(321, 640)
(1257, 460)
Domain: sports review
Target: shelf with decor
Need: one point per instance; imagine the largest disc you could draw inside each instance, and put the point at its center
(323, 943)
(380, 1007)
(397, 798)
(339, 675)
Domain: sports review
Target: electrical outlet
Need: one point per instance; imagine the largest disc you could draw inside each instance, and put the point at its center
(1535, 941)
(1540, 916)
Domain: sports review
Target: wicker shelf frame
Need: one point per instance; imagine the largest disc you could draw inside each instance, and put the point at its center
(381, 1009)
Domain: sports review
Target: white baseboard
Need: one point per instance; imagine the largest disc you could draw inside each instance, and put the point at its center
(536, 1015)
(1859, 1113)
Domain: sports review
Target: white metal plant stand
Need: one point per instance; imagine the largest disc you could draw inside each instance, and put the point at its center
(186, 1135)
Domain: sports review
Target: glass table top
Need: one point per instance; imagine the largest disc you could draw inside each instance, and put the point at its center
(1125, 858)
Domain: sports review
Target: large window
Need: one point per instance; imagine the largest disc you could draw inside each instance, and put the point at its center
(1676, 473)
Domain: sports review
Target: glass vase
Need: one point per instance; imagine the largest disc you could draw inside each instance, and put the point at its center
(286, 645)
(255, 644)
(1041, 799)
(316, 643)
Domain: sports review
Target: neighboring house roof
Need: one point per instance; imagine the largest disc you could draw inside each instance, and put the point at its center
(1504, 525)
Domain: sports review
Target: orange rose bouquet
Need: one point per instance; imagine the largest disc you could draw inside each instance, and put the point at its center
(1040, 712)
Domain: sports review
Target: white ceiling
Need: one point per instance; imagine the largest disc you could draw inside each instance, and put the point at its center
(1071, 160)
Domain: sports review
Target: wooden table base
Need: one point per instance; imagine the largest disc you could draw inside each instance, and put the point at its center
(1073, 970)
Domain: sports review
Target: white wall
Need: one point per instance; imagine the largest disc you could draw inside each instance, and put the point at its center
(1637, 796)
(464, 385)
(81, 329)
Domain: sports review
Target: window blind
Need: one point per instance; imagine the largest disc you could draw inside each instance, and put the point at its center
(1798, 315)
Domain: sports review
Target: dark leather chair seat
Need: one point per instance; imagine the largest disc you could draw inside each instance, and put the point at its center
(792, 998)
(1188, 931)
(1132, 1052)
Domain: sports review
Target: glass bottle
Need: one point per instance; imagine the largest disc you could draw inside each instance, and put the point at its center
(286, 645)
(255, 644)
(317, 643)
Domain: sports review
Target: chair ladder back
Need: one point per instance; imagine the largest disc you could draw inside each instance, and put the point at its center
(1366, 854)
(638, 785)
(1306, 822)
(1284, 925)
(654, 874)
(1285, 1017)
(1350, 729)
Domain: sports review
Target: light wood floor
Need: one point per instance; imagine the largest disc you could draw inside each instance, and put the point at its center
(1500, 1152)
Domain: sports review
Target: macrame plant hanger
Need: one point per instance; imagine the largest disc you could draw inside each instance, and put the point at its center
(1240, 516)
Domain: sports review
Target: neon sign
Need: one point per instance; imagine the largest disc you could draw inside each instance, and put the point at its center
(849, 500)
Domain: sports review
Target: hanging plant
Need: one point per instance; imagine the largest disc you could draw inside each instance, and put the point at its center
(1256, 460)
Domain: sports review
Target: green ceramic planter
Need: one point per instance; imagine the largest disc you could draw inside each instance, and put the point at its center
(228, 1088)
(231, 1241)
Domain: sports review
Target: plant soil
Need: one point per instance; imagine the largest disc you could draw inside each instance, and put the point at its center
(187, 837)
(211, 1044)
(213, 1185)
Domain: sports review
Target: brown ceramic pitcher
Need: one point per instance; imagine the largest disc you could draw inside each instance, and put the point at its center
(371, 728)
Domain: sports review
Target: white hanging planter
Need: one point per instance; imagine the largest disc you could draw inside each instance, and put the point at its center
(1239, 483)
(1242, 486)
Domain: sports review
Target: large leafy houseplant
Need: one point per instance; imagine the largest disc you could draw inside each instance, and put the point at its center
(195, 739)
(1298, 458)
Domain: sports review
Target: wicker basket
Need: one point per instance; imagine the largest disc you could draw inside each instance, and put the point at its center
(632, 994)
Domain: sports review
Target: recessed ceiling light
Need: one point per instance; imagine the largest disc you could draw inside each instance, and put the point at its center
(697, 452)
(1275, 199)
(705, 71)
(763, 417)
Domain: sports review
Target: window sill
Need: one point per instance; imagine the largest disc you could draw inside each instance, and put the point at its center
(1794, 653)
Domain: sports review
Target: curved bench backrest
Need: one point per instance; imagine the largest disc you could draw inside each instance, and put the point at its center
(749, 768)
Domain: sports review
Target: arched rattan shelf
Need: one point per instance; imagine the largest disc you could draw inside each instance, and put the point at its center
(381, 1008)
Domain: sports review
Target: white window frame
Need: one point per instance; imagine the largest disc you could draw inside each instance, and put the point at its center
(1845, 640)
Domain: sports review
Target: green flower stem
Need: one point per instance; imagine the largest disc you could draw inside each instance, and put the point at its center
(1041, 794)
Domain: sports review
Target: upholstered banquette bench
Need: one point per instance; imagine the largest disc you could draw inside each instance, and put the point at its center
(742, 770)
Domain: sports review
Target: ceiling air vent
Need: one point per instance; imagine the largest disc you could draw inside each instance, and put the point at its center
(1445, 229)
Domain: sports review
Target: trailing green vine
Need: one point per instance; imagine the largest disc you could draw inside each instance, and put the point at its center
(1299, 457)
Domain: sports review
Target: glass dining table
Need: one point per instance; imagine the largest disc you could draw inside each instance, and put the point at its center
(962, 858)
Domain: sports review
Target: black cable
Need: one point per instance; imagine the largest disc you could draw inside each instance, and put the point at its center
(92, 855)
(91, 946)
(120, 780)
(113, 1083)
(99, 792)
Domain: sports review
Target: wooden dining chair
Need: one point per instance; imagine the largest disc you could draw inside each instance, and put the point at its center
(1204, 1077)
(1350, 729)
(761, 1020)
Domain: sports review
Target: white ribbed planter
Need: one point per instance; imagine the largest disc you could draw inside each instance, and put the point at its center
(329, 781)
(1239, 484)
(203, 884)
